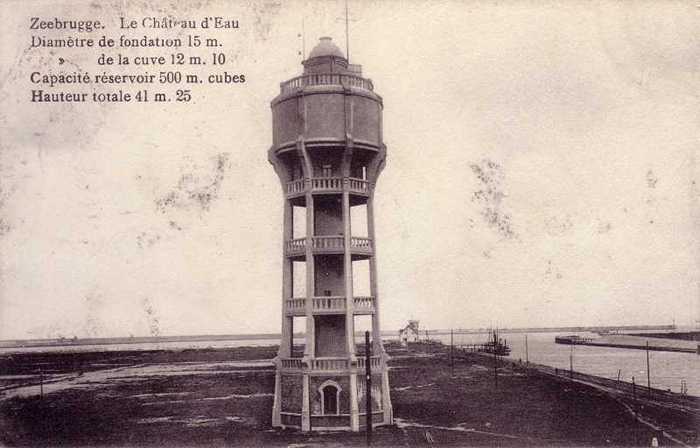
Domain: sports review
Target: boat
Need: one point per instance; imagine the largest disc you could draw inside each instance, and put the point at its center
(572, 339)
(495, 346)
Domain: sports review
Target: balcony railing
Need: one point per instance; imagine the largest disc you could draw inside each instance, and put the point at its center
(374, 362)
(363, 304)
(328, 304)
(296, 306)
(358, 185)
(321, 244)
(296, 186)
(330, 364)
(322, 79)
(295, 246)
(326, 184)
(292, 363)
(360, 243)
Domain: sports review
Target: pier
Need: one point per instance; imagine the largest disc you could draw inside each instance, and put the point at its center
(634, 342)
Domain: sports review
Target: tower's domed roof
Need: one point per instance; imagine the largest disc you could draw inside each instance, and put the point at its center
(326, 47)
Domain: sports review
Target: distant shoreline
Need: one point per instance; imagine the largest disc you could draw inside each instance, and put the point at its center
(68, 342)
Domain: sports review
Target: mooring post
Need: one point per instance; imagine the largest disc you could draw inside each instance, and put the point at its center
(368, 388)
(41, 383)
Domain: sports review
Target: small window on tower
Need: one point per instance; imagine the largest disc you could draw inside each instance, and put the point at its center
(327, 171)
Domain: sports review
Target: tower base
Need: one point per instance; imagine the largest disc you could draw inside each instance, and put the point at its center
(328, 400)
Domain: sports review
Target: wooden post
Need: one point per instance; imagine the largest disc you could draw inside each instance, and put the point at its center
(527, 355)
(368, 388)
(571, 362)
(41, 383)
(452, 361)
(495, 367)
(648, 373)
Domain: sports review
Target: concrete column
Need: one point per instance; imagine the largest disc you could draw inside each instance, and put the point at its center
(310, 344)
(285, 349)
(347, 238)
(310, 347)
(305, 414)
(277, 404)
(354, 408)
(349, 298)
(290, 332)
(386, 396)
(374, 291)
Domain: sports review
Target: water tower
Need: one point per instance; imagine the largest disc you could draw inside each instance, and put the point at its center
(328, 153)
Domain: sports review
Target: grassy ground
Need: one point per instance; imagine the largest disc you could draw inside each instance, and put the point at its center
(219, 397)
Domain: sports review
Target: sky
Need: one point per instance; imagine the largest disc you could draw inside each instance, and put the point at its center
(542, 170)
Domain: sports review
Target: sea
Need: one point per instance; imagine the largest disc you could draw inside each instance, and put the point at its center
(667, 370)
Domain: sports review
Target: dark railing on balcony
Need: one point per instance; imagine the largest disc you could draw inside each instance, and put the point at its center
(327, 183)
(292, 363)
(322, 79)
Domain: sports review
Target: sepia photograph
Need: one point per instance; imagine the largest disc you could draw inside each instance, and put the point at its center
(330, 223)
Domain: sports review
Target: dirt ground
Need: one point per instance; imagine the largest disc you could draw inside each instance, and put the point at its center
(223, 397)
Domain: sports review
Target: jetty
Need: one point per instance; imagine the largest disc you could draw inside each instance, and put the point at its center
(632, 342)
(494, 346)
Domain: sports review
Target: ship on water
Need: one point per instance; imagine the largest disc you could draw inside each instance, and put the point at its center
(495, 345)
(572, 340)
